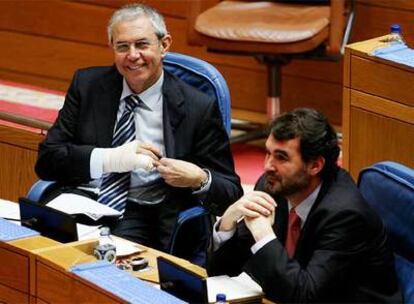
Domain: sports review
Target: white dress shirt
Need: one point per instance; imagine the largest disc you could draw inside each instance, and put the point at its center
(149, 129)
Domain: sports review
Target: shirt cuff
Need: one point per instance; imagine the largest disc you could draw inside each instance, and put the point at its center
(96, 163)
(256, 247)
(206, 186)
(220, 237)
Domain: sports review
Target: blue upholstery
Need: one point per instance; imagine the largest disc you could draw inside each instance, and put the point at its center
(203, 76)
(39, 190)
(191, 235)
(389, 188)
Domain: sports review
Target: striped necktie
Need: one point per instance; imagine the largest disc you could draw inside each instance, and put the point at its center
(115, 186)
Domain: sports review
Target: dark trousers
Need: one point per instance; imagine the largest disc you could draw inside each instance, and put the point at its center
(149, 225)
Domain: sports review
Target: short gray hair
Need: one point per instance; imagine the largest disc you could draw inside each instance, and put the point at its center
(131, 11)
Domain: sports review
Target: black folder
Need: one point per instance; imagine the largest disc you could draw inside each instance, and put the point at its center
(49, 222)
(181, 282)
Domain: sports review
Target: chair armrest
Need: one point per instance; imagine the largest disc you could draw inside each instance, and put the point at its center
(341, 11)
(39, 188)
(183, 217)
(337, 23)
(191, 213)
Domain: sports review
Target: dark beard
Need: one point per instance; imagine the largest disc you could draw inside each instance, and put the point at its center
(275, 187)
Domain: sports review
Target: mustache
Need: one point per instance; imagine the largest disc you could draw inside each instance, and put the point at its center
(272, 176)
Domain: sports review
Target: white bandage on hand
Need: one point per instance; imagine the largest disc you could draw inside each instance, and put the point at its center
(125, 158)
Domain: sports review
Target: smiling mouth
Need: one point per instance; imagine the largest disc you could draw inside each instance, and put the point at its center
(135, 67)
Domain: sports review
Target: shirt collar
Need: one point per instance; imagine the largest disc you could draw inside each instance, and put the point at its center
(149, 95)
(304, 207)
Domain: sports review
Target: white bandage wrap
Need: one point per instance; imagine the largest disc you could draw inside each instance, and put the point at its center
(125, 158)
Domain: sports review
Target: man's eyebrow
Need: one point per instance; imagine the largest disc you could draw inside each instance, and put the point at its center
(133, 41)
(281, 152)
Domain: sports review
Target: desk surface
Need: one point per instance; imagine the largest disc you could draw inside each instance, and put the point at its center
(46, 264)
(43, 247)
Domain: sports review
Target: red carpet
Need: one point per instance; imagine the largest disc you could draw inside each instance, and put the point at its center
(249, 162)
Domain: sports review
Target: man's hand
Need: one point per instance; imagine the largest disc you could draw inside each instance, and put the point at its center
(179, 173)
(260, 226)
(251, 205)
(129, 157)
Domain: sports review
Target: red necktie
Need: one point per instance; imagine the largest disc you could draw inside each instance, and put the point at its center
(293, 232)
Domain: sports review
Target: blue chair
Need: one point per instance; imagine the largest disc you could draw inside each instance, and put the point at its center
(191, 235)
(388, 187)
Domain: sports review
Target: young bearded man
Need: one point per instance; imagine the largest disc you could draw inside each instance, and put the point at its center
(305, 234)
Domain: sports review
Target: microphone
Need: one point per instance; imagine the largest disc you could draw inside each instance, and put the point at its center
(29, 222)
(12, 219)
(167, 285)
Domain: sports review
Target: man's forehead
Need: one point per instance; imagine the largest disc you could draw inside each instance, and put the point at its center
(286, 145)
(136, 29)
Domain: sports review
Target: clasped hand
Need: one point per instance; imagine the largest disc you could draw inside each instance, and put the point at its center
(257, 208)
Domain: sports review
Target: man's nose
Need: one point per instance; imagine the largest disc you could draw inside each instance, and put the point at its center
(133, 52)
(268, 164)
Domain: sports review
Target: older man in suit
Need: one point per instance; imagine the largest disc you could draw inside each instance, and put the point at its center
(137, 138)
(305, 234)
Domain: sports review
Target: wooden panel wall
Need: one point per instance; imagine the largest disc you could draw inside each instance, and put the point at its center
(45, 41)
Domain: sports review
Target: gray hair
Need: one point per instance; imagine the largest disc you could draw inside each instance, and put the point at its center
(131, 11)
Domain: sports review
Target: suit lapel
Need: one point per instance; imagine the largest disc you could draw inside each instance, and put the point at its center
(308, 224)
(173, 112)
(106, 107)
(281, 220)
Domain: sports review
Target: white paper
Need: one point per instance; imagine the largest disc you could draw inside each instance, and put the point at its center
(125, 247)
(242, 286)
(9, 209)
(76, 204)
(86, 232)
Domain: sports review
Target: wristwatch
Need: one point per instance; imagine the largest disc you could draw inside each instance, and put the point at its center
(204, 183)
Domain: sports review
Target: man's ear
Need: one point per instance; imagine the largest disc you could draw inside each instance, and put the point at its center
(315, 166)
(165, 44)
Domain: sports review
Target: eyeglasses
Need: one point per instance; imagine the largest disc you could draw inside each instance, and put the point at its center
(140, 45)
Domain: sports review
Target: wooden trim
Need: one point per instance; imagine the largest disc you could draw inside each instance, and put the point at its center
(393, 4)
(25, 121)
(346, 118)
(20, 138)
(381, 106)
(254, 117)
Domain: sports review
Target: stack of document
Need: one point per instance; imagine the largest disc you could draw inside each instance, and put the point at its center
(80, 205)
(240, 289)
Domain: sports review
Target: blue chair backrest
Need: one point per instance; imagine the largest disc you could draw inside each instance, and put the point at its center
(388, 188)
(203, 76)
(191, 235)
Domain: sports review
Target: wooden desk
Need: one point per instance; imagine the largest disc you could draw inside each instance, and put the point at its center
(36, 271)
(378, 109)
(17, 281)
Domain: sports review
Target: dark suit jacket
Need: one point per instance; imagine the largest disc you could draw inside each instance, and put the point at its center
(341, 255)
(193, 131)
